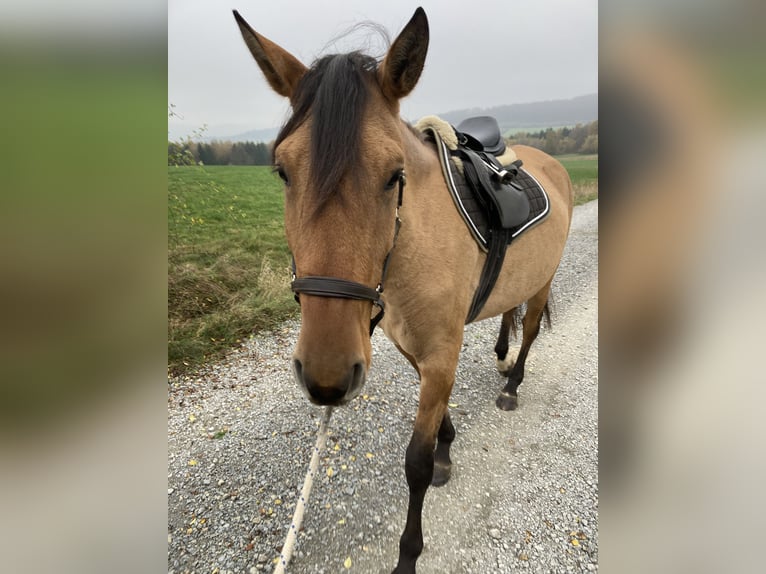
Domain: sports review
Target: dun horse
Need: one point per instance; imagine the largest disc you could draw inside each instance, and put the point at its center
(343, 156)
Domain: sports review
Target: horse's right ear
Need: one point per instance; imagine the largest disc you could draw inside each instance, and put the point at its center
(404, 62)
(283, 71)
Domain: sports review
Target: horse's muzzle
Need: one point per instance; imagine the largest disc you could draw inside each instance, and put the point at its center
(330, 391)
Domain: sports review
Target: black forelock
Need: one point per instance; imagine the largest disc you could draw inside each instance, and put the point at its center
(334, 92)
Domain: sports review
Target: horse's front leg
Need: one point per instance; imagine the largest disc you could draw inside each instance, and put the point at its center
(435, 389)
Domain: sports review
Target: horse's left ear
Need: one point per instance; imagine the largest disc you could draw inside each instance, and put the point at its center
(283, 71)
(404, 62)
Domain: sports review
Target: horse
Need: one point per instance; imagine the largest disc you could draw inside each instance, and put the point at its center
(366, 201)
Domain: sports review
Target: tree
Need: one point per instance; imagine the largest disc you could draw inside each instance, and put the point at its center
(205, 154)
(579, 139)
(262, 154)
(590, 145)
(238, 155)
(552, 140)
(567, 145)
(182, 152)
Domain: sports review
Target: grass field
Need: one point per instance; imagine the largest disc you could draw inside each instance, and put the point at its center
(228, 263)
(583, 169)
(227, 259)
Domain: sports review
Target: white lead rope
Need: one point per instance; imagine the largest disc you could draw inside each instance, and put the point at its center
(300, 507)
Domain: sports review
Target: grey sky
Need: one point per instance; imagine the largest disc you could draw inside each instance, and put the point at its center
(481, 53)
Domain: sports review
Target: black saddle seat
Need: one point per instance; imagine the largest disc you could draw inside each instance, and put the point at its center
(486, 131)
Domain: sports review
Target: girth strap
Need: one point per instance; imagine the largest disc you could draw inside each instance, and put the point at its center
(506, 206)
(497, 244)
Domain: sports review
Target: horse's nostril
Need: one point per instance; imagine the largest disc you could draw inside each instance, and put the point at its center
(329, 389)
(357, 378)
(328, 395)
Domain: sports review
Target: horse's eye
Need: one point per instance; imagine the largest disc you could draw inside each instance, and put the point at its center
(392, 183)
(280, 171)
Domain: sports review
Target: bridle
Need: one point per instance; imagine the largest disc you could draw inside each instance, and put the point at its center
(343, 289)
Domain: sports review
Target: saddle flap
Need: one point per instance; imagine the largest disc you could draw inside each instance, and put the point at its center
(484, 131)
(511, 205)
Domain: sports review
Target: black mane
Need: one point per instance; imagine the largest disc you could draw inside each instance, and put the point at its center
(334, 92)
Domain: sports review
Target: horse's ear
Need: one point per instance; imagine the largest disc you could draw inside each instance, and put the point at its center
(404, 62)
(283, 71)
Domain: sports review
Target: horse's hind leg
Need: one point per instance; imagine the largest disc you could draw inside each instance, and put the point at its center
(536, 307)
(507, 325)
(442, 462)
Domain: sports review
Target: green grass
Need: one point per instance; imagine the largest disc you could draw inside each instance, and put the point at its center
(583, 169)
(228, 262)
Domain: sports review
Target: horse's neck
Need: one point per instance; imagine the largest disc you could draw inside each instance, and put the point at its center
(432, 231)
(426, 209)
(422, 163)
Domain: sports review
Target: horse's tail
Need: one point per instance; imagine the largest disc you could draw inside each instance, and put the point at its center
(517, 314)
(547, 313)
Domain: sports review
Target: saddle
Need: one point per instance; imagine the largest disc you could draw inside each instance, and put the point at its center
(482, 133)
(498, 200)
(479, 144)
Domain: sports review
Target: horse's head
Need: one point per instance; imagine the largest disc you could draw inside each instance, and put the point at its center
(341, 157)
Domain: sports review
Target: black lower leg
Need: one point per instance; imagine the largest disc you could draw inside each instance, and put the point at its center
(517, 373)
(442, 462)
(419, 465)
(501, 347)
(508, 399)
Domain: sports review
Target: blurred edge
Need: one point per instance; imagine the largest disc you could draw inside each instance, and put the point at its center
(681, 194)
(83, 290)
(82, 219)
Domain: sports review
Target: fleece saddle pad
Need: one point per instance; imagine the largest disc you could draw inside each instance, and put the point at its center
(472, 209)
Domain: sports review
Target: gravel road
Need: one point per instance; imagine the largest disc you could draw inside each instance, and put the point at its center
(524, 489)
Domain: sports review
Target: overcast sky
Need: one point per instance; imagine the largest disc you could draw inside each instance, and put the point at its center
(481, 53)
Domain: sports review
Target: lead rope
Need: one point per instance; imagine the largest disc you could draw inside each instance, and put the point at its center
(300, 507)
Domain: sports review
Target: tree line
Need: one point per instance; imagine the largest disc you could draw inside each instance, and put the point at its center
(218, 153)
(582, 139)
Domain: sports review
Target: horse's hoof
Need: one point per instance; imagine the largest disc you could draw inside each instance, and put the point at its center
(403, 570)
(507, 401)
(442, 473)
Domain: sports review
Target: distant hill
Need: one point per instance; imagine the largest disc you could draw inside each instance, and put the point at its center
(512, 117)
(535, 115)
(263, 135)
